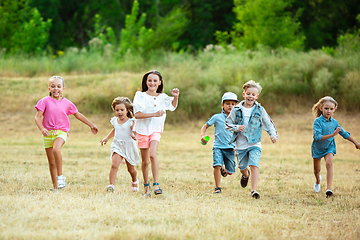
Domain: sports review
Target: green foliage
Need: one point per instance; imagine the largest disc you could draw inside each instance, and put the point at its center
(135, 35)
(33, 35)
(12, 15)
(263, 22)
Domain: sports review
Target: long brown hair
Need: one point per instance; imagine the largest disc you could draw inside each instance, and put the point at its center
(144, 87)
(316, 108)
(126, 101)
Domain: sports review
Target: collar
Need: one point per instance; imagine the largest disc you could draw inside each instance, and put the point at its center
(324, 119)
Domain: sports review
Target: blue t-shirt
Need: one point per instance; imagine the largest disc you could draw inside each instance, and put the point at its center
(322, 126)
(222, 136)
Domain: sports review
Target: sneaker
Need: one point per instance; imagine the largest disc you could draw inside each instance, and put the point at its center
(317, 186)
(55, 190)
(110, 188)
(329, 193)
(61, 181)
(255, 194)
(244, 180)
(217, 190)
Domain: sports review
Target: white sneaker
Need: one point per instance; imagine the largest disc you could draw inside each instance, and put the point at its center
(110, 188)
(317, 186)
(61, 181)
(55, 190)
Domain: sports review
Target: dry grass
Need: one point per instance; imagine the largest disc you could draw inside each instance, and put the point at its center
(288, 207)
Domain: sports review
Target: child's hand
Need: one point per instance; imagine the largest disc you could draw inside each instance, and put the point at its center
(45, 132)
(175, 92)
(94, 129)
(337, 130)
(241, 128)
(357, 145)
(104, 141)
(203, 140)
(159, 113)
(273, 139)
(133, 136)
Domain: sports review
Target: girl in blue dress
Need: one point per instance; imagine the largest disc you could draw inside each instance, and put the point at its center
(323, 145)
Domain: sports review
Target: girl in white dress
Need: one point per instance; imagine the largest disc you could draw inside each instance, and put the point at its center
(124, 143)
(150, 105)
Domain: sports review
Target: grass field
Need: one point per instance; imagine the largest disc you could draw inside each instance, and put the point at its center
(188, 209)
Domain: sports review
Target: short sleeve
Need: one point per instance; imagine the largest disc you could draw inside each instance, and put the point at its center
(40, 106)
(138, 103)
(113, 120)
(71, 109)
(211, 121)
(168, 103)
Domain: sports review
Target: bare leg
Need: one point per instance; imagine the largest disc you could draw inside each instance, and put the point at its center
(154, 162)
(52, 166)
(317, 168)
(254, 177)
(58, 143)
(133, 173)
(329, 170)
(245, 172)
(116, 160)
(145, 167)
(217, 175)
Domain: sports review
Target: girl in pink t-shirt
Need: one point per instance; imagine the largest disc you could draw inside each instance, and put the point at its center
(150, 105)
(55, 126)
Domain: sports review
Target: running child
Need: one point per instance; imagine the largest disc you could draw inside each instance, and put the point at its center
(150, 105)
(55, 125)
(325, 128)
(223, 153)
(246, 121)
(124, 144)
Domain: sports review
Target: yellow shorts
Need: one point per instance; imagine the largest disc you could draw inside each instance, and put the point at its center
(48, 141)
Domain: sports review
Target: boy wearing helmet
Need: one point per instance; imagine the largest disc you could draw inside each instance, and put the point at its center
(223, 152)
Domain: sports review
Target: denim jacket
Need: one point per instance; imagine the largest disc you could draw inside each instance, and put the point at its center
(258, 119)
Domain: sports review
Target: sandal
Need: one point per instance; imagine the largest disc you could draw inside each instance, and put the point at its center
(217, 190)
(223, 172)
(147, 185)
(157, 191)
(135, 189)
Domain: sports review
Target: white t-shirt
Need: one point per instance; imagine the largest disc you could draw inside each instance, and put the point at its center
(241, 140)
(145, 103)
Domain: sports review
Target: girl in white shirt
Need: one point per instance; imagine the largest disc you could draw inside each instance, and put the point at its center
(123, 148)
(150, 105)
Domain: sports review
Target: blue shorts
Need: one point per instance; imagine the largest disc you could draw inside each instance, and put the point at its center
(247, 157)
(224, 157)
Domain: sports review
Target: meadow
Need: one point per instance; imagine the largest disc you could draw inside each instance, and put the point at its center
(288, 207)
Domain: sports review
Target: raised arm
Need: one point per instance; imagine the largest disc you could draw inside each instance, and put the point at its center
(83, 119)
(175, 92)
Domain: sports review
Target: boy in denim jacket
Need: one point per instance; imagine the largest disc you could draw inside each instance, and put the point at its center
(223, 153)
(246, 120)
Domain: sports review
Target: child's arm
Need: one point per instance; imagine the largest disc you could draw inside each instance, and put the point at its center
(269, 126)
(175, 92)
(38, 122)
(133, 135)
(357, 145)
(106, 139)
(203, 131)
(83, 119)
(336, 132)
(230, 124)
(141, 115)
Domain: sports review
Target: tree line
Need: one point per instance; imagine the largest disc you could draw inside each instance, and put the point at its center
(38, 26)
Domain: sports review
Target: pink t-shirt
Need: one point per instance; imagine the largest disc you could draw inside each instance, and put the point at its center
(56, 113)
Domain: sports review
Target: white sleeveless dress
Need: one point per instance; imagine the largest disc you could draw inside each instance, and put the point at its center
(123, 144)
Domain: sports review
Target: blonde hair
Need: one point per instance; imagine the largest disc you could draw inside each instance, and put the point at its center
(252, 84)
(316, 108)
(126, 101)
(57, 77)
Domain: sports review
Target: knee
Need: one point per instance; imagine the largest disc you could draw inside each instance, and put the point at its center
(152, 157)
(329, 165)
(316, 170)
(145, 162)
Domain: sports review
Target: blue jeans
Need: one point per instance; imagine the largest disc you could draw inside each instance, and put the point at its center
(224, 157)
(249, 156)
